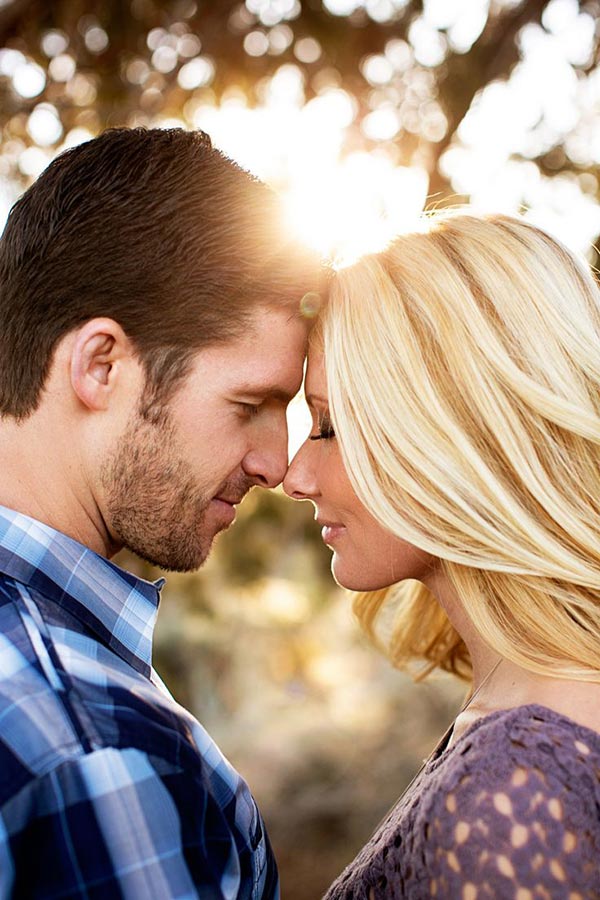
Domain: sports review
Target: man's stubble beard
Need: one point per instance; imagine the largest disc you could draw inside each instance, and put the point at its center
(154, 505)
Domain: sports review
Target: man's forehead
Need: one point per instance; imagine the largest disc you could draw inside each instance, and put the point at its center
(281, 389)
(267, 358)
(278, 318)
(272, 346)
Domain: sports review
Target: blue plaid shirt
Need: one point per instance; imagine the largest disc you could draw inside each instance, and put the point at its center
(108, 788)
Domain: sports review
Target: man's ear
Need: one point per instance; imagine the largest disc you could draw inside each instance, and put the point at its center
(99, 355)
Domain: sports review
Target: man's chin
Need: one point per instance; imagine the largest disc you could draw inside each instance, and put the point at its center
(175, 559)
(183, 547)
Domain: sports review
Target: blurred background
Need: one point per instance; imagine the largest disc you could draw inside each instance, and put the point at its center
(360, 112)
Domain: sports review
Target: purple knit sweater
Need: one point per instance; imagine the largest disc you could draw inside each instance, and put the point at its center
(511, 810)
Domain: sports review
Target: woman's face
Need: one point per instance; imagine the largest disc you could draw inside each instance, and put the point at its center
(366, 556)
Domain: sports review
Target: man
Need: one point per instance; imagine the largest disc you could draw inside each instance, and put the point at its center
(150, 341)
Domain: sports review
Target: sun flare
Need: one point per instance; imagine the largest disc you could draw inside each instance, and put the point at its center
(356, 206)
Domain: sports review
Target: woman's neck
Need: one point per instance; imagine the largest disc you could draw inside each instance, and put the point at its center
(499, 683)
(510, 686)
(483, 658)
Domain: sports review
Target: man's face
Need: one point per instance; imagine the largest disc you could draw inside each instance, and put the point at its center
(171, 487)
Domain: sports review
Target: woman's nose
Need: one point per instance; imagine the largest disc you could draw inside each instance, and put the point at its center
(300, 482)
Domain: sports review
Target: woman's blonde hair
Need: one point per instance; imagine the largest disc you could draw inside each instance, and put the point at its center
(464, 380)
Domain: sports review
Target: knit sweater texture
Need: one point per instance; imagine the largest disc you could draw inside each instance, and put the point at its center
(510, 810)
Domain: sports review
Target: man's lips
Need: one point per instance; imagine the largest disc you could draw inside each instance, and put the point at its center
(226, 507)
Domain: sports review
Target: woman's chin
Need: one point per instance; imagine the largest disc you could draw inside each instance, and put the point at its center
(355, 580)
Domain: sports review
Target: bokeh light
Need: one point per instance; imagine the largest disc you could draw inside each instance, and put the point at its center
(54, 43)
(346, 197)
(62, 67)
(28, 79)
(44, 125)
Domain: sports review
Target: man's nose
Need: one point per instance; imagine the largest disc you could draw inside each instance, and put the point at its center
(267, 465)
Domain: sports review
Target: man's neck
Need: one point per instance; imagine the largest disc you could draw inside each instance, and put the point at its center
(42, 477)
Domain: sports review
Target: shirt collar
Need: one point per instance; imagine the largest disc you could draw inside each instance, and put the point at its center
(119, 607)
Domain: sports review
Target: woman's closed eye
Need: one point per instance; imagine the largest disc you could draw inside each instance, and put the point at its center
(325, 432)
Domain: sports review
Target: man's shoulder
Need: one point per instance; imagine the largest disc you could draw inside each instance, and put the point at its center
(63, 692)
(85, 735)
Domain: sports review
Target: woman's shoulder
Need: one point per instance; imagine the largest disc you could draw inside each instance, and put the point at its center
(511, 807)
(530, 759)
(501, 743)
(525, 732)
(515, 800)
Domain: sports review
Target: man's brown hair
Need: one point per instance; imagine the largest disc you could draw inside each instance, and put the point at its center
(153, 228)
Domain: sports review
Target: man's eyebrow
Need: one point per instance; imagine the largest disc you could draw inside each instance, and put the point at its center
(270, 391)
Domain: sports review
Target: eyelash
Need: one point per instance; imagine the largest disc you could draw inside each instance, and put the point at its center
(249, 409)
(326, 431)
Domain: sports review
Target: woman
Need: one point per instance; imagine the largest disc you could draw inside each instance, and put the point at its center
(454, 463)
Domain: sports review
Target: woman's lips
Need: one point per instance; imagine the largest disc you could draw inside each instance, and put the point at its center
(330, 533)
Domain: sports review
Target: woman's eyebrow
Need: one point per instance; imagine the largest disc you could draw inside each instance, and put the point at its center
(316, 399)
